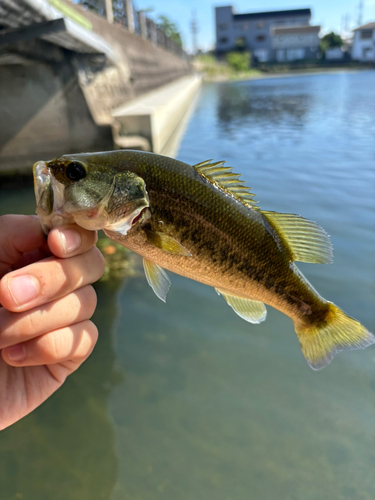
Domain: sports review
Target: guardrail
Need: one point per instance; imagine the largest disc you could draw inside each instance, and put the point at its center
(124, 13)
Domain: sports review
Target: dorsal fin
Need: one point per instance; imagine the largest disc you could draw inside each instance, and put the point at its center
(224, 178)
(307, 241)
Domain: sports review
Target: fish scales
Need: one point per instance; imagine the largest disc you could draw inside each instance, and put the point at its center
(201, 222)
(233, 250)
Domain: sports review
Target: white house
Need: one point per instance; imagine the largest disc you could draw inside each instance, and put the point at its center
(295, 42)
(363, 48)
(334, 54)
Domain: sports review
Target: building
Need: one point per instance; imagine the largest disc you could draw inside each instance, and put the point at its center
(284, 35)
(295, 42)
(335, 54)
(363, 48)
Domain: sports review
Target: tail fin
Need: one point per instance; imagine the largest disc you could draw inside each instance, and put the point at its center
(339, 332)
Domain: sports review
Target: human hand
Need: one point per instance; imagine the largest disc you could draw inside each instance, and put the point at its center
(47, 300)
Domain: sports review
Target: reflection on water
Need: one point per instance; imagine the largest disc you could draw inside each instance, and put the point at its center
(185, 400)
(243, 105)
(65, 449)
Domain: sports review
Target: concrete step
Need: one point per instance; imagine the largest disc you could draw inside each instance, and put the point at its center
(155, 116)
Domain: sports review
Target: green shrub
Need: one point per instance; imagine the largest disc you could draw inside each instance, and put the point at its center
(239, 61)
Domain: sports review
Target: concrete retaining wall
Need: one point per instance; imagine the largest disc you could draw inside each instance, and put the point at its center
(44, 114)
(54, 101)
(143, 67)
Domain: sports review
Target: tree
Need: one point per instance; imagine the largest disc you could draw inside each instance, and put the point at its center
(330, 40)
(170, 29)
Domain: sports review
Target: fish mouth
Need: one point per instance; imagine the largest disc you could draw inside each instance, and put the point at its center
(49, 195)
(43, 189)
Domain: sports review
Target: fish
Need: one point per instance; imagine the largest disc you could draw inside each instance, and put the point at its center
(202, 222)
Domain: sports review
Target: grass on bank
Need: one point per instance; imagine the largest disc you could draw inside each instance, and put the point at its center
(235, 66)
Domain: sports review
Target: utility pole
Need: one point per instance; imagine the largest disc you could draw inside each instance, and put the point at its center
(194, 30)
(360, 13)
(109, 11)
(347, 21)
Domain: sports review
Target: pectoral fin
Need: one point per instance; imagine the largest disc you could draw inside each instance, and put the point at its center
(157, 279)
(166, 243)
(252, 311)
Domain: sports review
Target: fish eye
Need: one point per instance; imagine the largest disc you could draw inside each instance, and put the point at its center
(75, 171)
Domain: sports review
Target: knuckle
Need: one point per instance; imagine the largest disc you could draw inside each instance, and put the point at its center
(88, 299)
(88, 338)
(31, 322)
(91, 237)
(49, 346)
(93, 332)
(57, 277)
(98, 261)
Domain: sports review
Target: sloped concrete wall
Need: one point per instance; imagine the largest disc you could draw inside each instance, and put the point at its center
(142, 67)
(44, 114)
(55, 102)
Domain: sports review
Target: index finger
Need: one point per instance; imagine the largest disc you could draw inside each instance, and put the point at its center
(49, 279)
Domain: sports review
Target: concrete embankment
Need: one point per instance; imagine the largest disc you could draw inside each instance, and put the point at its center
(57, 120)
(56, 101)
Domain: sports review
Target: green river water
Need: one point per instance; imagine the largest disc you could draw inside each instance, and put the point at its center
(186, 401)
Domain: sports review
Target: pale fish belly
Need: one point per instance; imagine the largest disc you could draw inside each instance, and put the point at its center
(215, 275)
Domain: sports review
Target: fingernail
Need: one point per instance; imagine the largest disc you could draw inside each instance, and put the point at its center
(71, 240)
(23, 289)
(16, 352)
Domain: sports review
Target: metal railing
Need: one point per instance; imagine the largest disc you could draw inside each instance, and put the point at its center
(123, 12)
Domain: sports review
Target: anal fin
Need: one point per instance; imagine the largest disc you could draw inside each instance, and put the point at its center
(252, 311)
(157, 279)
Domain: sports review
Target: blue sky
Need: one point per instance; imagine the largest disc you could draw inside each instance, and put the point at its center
(327, 13)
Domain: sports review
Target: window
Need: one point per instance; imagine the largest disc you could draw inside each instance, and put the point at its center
(245, 26)
(260, 25)
(261, 55)
(280, 55)
(241, 42)
(295, 54)
(224, 39)
(367, 54)
(223, 26)
(366, 34)
(261, 38)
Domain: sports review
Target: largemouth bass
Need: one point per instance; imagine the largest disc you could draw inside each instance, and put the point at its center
(201, 222)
